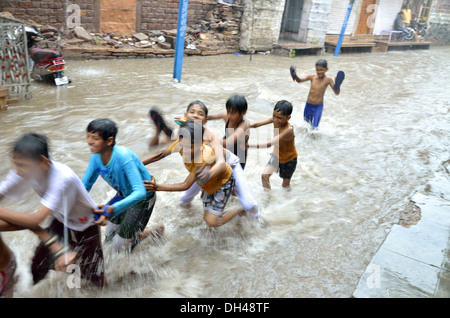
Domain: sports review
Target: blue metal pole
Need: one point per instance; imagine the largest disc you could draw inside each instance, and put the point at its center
(181, 33)
(344, 26)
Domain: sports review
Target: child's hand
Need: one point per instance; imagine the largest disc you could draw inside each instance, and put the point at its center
(203, 174)
(292, 71)
(102, 219)
(65, 260)
(179, 120)
(150, 186)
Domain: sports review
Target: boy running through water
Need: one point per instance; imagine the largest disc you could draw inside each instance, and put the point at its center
(65, 199)
(128, 213)
(319, 83)
(237, 130)
(216, 180)
(284, 156)
(198, 111)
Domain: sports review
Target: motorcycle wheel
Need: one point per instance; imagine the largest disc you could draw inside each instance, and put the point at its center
(411, 35)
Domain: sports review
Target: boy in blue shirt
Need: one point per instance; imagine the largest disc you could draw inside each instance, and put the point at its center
(130, 210)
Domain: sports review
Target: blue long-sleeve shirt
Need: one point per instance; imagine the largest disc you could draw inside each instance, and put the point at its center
(124, 172)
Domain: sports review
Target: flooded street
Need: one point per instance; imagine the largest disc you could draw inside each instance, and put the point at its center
(379, 141)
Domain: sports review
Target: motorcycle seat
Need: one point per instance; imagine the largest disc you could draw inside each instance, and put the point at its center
(43, 54)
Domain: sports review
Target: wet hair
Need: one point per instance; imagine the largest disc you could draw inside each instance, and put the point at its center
(104, 127)
(284, 107)
(190, 129)
(236, 103)
(322, 63)
(32, 146)
(200, 103)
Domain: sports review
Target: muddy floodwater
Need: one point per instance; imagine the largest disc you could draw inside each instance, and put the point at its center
(378, 143)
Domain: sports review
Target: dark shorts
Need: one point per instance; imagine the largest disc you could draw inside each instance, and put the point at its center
(215, 203)
(87, 244)
(135, 219)
(286, 170)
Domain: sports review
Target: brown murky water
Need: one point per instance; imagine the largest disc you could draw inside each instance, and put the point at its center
(378, 143)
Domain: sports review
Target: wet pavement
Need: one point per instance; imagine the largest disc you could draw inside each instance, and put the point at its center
(414, 261)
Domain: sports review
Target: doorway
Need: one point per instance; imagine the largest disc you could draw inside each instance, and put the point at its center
(290, 24)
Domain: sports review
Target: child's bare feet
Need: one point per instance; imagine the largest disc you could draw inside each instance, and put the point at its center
(155, 233)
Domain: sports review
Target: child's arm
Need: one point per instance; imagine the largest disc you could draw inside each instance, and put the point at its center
(222, 115)
(331, 83)
(138, 191)
(237, 134)
(156, 156)
(220, 164)
(161, 154)
(287, 133)
(90, 175)
(262, 122)
(64, 256)
(25, 220)
(298, 79)
(7, 227)
(151, 186)
(304, 79)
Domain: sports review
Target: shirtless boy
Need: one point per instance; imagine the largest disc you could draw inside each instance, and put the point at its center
(319, 84)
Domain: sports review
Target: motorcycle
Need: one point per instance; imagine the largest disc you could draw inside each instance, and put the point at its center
(417, 28)
(48, 65)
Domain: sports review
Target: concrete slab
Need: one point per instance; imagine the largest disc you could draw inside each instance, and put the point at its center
(414, 261)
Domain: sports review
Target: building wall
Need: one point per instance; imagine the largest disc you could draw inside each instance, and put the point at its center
(117, 16)
(315, 19)
(163, 14)
(439, 23)
(53, 12)
(261, 23)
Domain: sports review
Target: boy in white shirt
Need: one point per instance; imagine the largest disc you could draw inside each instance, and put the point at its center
(64, 198)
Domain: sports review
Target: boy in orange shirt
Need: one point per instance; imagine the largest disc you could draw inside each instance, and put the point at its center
(284, 156)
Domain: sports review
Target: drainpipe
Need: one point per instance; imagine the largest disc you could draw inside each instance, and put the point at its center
(344, 26)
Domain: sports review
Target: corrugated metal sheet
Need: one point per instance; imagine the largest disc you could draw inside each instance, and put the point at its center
(387, 12)
(337, 15)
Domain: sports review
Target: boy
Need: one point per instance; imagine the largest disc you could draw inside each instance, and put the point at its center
(284, 156)
(319, 83)
(129, 212)
(237, 130)
(216, 180)
(65, 199)
(7, 269)
(198, 111)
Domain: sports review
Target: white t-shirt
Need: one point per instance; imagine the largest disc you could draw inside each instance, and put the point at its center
(62, 192)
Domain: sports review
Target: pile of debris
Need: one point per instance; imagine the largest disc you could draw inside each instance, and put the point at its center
(218, 33)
